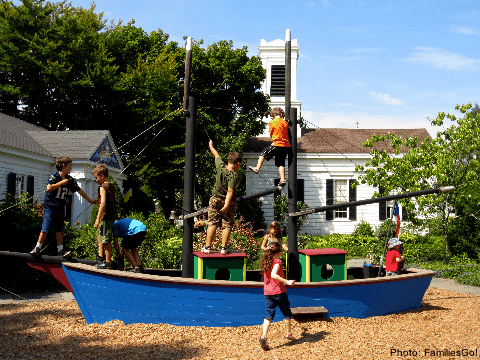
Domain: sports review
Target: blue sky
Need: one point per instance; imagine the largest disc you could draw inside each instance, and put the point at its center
(381, 63)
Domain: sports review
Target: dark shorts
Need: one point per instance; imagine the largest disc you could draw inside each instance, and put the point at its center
(53, 221)
(130, 242)
(215, 217)
(274, 301)
(280, 154)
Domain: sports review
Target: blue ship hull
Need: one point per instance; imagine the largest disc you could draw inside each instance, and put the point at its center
(104, 295)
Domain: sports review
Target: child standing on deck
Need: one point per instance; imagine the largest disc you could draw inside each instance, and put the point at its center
(106, 216)
(223, 203)
(280, 147)
(273, 235)
(394, 261)
(275, 291)
(58, 186)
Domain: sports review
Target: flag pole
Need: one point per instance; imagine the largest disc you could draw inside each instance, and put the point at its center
(380, 266)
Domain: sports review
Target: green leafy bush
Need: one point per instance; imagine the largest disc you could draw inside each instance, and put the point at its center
(242, 238)
(161, 249)
(363, 229)
(252, 212)
(20, 223)
(280, 208)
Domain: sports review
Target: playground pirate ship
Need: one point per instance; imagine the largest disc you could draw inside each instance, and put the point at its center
(206, 292)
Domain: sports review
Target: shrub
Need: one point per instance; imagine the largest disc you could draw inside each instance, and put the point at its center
(252, 212)
(161, 249)
(20, 223)
(363, 229)
(280, 208)
(242, 238)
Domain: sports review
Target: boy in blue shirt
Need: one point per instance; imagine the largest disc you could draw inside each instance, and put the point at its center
(133, 233)
(58, 186)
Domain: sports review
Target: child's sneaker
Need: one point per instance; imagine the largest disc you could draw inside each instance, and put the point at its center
(99, 259)
(207, 250)
(35, 251)
(263, 344)
(225, 250)
(104, 265)
(254, 169)
(64, 253)
(282, 183)
(290, 337)
(135, 270)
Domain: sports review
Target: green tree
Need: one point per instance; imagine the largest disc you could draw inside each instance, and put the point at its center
(63, 67)
(53, 63)
(450, 159)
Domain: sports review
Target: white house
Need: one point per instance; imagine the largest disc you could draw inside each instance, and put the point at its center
(326, 161)
(326, 158)
(28, 154)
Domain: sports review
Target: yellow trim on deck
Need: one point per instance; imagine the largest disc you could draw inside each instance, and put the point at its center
(308, 275)
(200, 268)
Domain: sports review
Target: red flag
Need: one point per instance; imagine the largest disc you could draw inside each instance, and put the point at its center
(397, 214)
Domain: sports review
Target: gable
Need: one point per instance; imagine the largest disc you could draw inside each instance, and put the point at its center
(105, 154)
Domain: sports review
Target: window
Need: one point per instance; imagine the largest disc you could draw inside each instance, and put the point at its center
(277, 87)
(390, 208)
(338, 192)
(300, 189)
(341, 196)
(19, 185)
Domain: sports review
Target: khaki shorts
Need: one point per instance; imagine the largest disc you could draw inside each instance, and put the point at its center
(104, 232)
(215, 217)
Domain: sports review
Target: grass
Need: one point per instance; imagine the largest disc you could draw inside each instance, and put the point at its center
(462, 273)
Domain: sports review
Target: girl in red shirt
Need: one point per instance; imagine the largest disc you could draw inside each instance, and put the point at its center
(275, 291)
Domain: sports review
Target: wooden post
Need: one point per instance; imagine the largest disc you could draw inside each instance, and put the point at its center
(189, 175)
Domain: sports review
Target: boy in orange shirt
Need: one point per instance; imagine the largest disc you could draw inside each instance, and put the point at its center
(280, 147)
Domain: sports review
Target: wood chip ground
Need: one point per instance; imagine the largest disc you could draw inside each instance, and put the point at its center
(447, 325)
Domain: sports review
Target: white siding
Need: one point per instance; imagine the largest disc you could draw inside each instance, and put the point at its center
(315, 169)
(26, 163)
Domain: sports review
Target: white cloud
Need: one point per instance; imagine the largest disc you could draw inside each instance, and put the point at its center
(440, 58)
(385, 98)
(465, 30)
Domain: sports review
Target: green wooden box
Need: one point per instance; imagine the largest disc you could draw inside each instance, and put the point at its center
(313, 264)
(215, 266)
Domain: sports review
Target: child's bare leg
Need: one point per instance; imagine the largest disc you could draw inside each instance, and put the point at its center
(136, 255)
(59, 238)
(130, 257)
(42, 237)
(261, 159)
(266, 325)
(226, 236)
(108, 252)
(281, 171)
(101, 249)
(211, 230)
(288, 323)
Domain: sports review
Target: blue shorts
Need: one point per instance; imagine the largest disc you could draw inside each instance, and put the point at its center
(280, 300)
(53, 221)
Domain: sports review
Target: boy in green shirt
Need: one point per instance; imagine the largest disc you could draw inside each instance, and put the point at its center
(223, 203)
